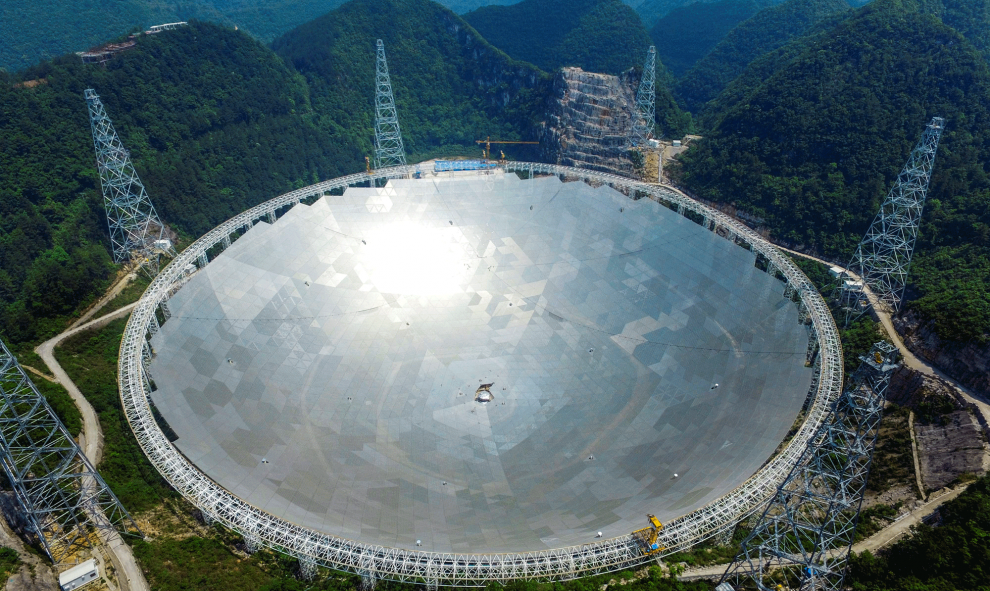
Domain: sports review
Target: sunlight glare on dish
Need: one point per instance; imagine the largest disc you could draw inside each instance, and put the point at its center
(414, 259)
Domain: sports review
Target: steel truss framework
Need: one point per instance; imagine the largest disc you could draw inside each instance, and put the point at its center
(803, 539)
(380, 562)
(646, 98)
(134, 225)
(883, 257)
(63, 499)
(389, 150)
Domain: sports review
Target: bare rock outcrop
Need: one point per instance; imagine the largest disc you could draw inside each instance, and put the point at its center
(969, 363)
(589, 119)
(951, 432)
(952, 447)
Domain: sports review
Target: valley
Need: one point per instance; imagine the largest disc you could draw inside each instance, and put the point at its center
(801, 114)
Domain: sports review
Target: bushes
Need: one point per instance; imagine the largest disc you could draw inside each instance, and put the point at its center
(950, 557)
(90, 359)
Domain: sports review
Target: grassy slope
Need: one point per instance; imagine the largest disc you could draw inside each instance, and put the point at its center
(90, 359)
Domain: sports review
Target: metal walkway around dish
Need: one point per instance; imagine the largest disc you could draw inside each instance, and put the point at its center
(379, 562)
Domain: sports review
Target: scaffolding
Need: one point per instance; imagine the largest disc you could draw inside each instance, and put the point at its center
(389, 150)
(136, 232)
(803, 539)
(882, 259)
(61, 497)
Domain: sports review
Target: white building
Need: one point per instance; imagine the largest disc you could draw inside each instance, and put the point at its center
(79, 575)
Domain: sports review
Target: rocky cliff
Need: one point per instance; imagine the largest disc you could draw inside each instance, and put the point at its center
(589, 118)
(969, 363)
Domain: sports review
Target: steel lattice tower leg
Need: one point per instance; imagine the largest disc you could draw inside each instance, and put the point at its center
(62, 496)
(882, 259)
(802, 540)
(136, 232)
(646, 100)
(389, 150)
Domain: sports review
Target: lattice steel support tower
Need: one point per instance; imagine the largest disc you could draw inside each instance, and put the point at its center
(136, 232)
(646, 100)
(882, 259)
(802, 540)
(389, 150)
(59, 492)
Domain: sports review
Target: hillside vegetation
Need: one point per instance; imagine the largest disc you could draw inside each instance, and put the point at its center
(767, 30)
(816, 144)
(451, 86)
(214, 121)
(596, 35)
(688, 33)
(42, 29)
(950, 557)
(972, 19)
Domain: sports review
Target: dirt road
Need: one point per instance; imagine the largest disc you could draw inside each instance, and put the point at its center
(91, 440)
(879, 540)
(910, 359)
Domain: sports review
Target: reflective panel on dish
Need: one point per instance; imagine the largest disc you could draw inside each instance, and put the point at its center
(484, 364)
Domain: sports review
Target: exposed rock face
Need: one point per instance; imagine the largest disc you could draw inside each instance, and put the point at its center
(911, 388)
(968, 363)
(949, 449)
(954, 442)
(589, 119)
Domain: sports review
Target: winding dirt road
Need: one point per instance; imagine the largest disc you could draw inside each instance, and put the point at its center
(91, 439)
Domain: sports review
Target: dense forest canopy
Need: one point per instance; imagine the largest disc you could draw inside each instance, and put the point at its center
(972, 19)
(951, 557)
(688, 33)
(451, 86)
(43, 29)
(765, 31)
(815, 145)
(595, 35)
(214, 121)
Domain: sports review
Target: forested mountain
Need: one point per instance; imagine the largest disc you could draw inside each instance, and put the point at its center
(214, 121)
(972, 19)
(652, 11)
(451, 86)
(33, 30)
(767, 30)
(602, 36)
(688, 33)
(819, 137)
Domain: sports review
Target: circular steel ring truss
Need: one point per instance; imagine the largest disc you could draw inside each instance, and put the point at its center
(261, 529)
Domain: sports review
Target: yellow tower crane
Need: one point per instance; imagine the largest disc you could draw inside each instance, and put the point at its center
(488, 141)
